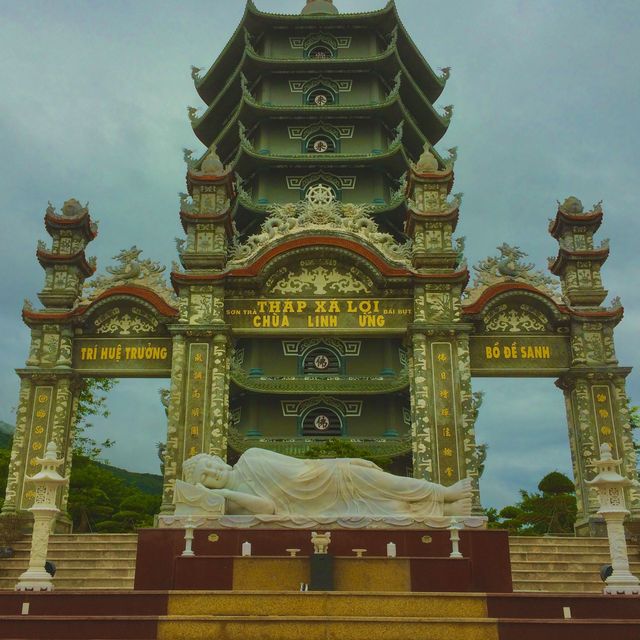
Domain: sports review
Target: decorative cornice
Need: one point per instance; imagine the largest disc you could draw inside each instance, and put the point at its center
(477, 306)
(147, 295)
(306, 217)
(83, 223)
(256, 266)
(591, 219)
(365, 385)
(557, 265)
(376, 447)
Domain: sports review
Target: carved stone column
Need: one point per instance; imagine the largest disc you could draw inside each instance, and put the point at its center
(471, 457)
(219, 411)
(175, 424)
(421, 430)
(45, 414)
(443, 409)
(16, 473)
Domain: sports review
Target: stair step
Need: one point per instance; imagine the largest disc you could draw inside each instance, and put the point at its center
(84, 544)
(332, 604)
(562, 565)
(535, 548)
(559, 576)
(86, 553)
(73, 563)
(566, 586)
(569, 540)
(569, 555)
(320, 628)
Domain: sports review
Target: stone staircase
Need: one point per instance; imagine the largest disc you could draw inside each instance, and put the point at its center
(562, 564)
(107, 561)
(291, 615)
(83, 561)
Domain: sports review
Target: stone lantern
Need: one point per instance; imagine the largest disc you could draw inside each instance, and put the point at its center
(44, 510)
(611, 485)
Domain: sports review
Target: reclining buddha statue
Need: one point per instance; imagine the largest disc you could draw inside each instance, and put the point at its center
(263, 482)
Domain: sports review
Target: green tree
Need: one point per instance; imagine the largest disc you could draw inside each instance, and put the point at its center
(338, 448)
(553, 510)
(4, 472)
(634, 419)
(92, 401)
(100, 501)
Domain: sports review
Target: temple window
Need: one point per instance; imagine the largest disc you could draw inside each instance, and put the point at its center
(322, 421)
(320, 143)
(320, 97)
(321, 361)
(320, 51)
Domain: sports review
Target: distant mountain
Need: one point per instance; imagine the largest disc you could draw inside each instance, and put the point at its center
(146, 482)
(6, 428)
(6, 433)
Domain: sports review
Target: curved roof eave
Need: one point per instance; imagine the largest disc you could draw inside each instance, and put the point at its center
(206, 87)
(276, 18)
(392, 110)
(390, 10)
(392, 156)
(437, 84)
(425, 107)
(253, 18)
(204, 129)
(215, 105)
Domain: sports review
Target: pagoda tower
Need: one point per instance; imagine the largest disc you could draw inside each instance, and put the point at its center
(318, 228)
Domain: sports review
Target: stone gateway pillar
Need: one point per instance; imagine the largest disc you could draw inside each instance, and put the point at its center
(49, 387)
(443, 415)
(594, 386)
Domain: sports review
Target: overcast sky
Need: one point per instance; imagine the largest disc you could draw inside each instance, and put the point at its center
(547, 104)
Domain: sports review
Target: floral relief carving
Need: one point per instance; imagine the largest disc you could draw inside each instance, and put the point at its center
(594, 346)
(420, 393)
(516, 319)
(319, 281)
(437, 306)
(174, 423)
(134, 322)
(220, 376)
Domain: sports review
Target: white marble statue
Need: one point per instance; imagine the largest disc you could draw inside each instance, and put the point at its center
(266, 483)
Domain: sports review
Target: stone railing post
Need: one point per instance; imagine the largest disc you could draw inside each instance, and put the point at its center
(44, 510)
(610, 485)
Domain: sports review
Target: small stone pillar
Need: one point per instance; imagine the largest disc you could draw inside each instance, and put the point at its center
(611, 485)
(44, 510)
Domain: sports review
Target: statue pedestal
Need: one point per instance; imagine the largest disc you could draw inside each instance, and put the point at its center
(422, 561)
(356, 523)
